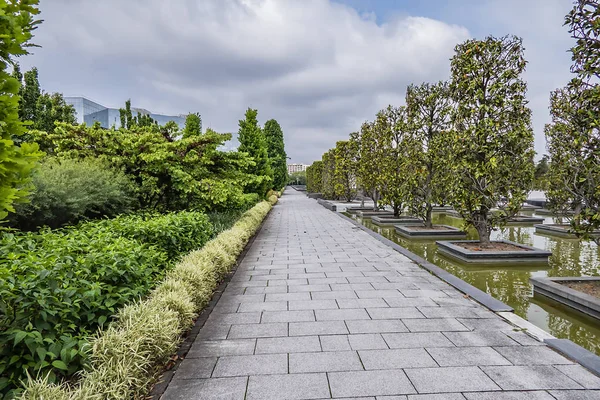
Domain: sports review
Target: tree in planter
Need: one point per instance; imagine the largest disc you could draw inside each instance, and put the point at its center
(328, 175)
(428, 108)
(573, 137)
(540, 175)
(276, 151)
(314, 177)
(16, 161)
(492, 144)
(252, 141)
(369, 161)
(391, 126)
(345, 169)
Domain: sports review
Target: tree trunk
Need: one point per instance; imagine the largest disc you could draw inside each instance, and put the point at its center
(481, 224)
(428, 210)
(397, 210)
(375, 200)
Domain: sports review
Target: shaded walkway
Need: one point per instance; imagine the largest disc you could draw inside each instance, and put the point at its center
(319, 309)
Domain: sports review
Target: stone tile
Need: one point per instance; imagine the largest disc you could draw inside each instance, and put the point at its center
(466, 356)
(450, 379)
(450, 312)
(523, 339)
(495, 324)
(432, 294)
(287, 296)
(341, 287)
(480, 338)
(580, 375)
(376, 326)
(335, 343)
(207, 389)
(341, 315)
(536, 395)
(393, 313)
(213, 332)
(287, 316)
(434, 325)
(416, 340)
(361, 303)
(258, 330)
(263, 364)
(327, 281)
(268, 306)
(220, 348)
(243, 298)
(532, 355)
(318, 328)
(195, 368)
(313, 305)
(435, 396)
(378, 294)
(309, 288)
(334, 295)
(576, 394)
(369, 383)
(396, 359)
(266, 289)
(237, 318)
(367, 341)
(329, 361)
(295, 387)
(297, 344)
(538, 377)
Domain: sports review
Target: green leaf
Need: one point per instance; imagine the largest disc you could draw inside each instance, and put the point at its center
(60, 365)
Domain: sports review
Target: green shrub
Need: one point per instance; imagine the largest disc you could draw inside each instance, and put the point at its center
(69, 191)
(174, 233)
(273, 199)
(126, 357)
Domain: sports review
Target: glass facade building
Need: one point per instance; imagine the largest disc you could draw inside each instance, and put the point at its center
(89, 112)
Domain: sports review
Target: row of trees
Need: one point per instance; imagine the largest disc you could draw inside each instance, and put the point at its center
(467, 142)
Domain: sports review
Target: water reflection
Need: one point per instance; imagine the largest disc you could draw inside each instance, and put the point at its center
(510, 283)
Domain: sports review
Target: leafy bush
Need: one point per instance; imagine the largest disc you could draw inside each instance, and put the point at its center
(68, 191)
(59, 287)
(273, 199)
(125, 357)
(174, 233)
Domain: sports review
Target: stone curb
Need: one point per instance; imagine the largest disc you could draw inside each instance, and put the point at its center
(580, 301)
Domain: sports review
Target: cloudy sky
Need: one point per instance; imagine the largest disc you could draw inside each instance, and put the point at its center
(320, 67)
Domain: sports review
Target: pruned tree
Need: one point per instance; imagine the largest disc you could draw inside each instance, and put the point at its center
(369, 162)
(193, 125)
(252, 141)
(345, 169)
(328, 175)
(314, 177)
(428, 109)
(276, 151)
(492, 142)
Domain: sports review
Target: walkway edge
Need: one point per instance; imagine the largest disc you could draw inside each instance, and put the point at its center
(464, 287)
(164, 381)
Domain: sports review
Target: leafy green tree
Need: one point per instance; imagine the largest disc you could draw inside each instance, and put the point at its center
(52, 108)
(16, 161)
(31, 93)
(252, 141)
(493, 141)
(540, 175)
(369, 161)
(129, 121)
(314, 177)
(328, 175)
(297, 178)
(277, 154)
(345, 169)
(193, 125)
(428, 107)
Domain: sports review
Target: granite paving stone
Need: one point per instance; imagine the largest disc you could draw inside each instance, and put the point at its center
(289, 387)
(466, 356)
(263, 364)
(335, 343)
(288, 316)
(532, 355)
(416, 340)
(364, 383)
(530, 377)
(221, 348)
(367, 341)
(207, 389)
(396, 359)
(450, 379)
(329, 361)
(296, 344)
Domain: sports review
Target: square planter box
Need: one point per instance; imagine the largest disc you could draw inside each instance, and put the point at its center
(315, 195)
(527, 255)
(374, 213)
(354, 210)
(551, 287)
(441, 209)
(391, 220)
(558, 230)
(450, 232)
(327, 204)
(525, 219)
(545, 211)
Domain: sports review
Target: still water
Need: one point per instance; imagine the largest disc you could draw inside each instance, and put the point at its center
(510, 283)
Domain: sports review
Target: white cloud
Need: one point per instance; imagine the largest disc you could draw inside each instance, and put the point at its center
(318, 67)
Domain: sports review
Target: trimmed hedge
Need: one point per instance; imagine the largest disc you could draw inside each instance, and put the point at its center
(126, 358)
(58, 287)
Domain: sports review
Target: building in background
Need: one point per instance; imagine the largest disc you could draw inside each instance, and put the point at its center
(89, 112)
(296, 168)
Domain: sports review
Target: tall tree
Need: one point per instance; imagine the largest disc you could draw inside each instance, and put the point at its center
(129, 121)
(328, 174)
(493, 140)
(52, 108)
(540, 174)
(314, 177)
(16, 161)
(370, 166)
(276, 151)
(193, 125)
(428, 107)
(252, 141)
(31, 94)
(345, 169)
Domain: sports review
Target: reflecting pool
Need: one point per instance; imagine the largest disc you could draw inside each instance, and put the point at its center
(510, 283)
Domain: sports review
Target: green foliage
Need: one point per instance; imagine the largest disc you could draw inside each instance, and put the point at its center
(584, 28)
(193, 125)
(67, 191)
(16, 161)
(327, 174)
(124, 358)
(276, 152)
(129, 121)
(370, 170)
(314, 177)
(30, 94)
(344, 174)
(493, 140)
(59, 287)
(297, 178)
(428, 107)
(540, 175)
(252, 141)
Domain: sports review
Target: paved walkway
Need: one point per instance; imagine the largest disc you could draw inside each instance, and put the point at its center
(319, 309)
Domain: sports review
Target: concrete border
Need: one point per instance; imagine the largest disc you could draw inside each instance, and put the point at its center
(314, 195)
(464, 287)
(524, 219)
(449, 248)
(374, 213)
(576, 353)
(580, 301)
(432, 234)
(327, 204)
(354, 210)
(384, 220)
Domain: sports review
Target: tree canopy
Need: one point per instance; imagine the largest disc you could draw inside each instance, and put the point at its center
(276, 152)
(252, 141)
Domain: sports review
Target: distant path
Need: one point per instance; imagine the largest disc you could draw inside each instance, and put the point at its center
(319, 309)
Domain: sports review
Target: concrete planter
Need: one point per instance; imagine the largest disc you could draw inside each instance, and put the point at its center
(327, 204)
(530, 255)
(545, 211)
(551, 287)
(391, 220)
(450, 232)
(441, 209)
(354, 210)
(372, 213)
(525, 219)
(559, 231)
(315, 195)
